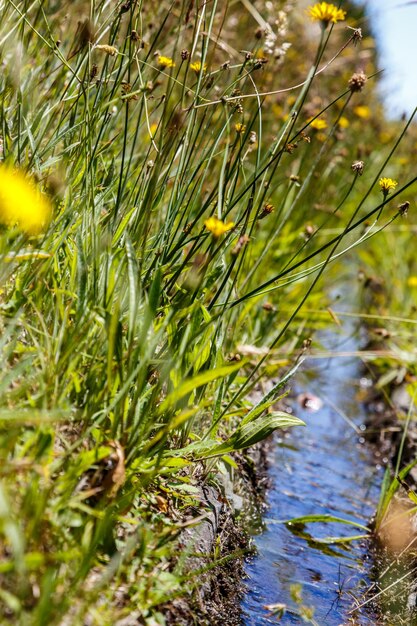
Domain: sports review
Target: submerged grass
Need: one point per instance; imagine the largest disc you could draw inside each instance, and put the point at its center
(193, 216)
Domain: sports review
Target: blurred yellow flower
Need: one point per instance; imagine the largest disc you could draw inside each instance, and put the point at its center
(21, 202)
(197, 67)
(343, 122)
(385, 136)
(403, 160)
(240, 128)
(318, 124)
(387, 184)
(325, 13)
(362, 111)
(218, 227)
(165, 61)
(412, 281)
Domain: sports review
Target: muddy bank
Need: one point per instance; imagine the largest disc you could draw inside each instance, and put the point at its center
(215, 548)
(392, 433)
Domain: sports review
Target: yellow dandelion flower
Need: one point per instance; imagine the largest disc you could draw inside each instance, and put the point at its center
(412, 281)
(217, 227)
(343, 122)
(387, 185)
(240, 128)
(362, 111)
(165, 61)
(197, 67)
(318, 124)
(22, 203)
(325, 13)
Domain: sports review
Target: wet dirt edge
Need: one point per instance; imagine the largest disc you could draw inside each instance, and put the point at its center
(387, 412)
(217, 546)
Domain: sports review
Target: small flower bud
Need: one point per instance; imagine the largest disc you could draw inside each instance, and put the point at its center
(267, 210)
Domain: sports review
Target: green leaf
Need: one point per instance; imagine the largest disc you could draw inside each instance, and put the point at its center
(258, 430)
(245, 436)
(335, 540)
(271, 396)
(388, 493)
(195, 382)
(321, 518)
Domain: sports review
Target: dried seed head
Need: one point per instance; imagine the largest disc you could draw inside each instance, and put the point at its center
(403, 208)
(241, 243)
(94, 71)
(134, 35)
(290, 147)
(110, 50)
(307, 343)
(357, 167)
(259, 63)
(126, 6)
(309, 231)
(184, 54)
(357, 35)
(252, 137)
(357, 81)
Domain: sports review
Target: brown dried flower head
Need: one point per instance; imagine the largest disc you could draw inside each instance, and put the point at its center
(403, 208)
(357, 167)
(357, 81)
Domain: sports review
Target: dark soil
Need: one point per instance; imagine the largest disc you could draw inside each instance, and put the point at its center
(217, 547)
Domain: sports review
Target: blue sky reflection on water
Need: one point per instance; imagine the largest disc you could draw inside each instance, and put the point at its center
(394, 23)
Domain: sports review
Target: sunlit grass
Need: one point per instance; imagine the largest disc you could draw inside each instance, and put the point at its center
(193, 218)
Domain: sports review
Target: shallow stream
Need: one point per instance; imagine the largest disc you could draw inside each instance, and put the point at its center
(321, 469)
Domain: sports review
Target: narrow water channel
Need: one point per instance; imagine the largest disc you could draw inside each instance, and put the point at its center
(321, 469)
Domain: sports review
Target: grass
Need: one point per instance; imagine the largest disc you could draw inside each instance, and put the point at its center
(132, 334)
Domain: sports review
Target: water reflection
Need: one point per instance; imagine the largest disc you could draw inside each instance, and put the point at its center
(321, 469)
